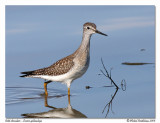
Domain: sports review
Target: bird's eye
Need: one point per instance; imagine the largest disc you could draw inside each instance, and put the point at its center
(88, 28)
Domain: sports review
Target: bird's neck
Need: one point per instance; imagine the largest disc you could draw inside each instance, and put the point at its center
(85, 44)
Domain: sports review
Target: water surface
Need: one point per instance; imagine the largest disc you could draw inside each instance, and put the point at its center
(37, 36)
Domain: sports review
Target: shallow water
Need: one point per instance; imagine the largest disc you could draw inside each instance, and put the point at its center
(137, 101)
(26, 95)
(36, 37)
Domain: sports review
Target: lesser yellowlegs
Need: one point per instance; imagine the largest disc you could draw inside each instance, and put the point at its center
(71, 67)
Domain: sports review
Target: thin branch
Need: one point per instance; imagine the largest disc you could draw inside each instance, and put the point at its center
(123, 86)
(107, 74)
(104, 73)
(104, 67)
(109, 104)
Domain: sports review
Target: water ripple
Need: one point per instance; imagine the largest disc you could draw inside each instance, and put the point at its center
(22, 94)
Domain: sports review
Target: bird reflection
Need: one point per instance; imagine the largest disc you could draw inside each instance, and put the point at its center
(67, 112)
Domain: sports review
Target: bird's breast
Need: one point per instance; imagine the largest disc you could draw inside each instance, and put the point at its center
(81, 66)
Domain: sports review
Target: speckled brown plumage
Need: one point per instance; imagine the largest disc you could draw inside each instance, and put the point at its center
(60, 67)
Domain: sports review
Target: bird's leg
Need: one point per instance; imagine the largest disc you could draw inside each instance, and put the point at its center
(45, 87)
(68, 91)
(69, 95)
(46, 102)
(69, 99)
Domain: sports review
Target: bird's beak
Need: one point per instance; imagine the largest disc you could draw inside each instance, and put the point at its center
(100, 33)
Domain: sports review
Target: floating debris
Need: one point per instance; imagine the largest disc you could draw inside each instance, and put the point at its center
(100, 74)
(142, 49)
(88, 87)
(135, 63)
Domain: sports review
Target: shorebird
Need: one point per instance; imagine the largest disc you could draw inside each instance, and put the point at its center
(71, 67)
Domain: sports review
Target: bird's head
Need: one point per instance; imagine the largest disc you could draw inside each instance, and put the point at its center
(90, 28)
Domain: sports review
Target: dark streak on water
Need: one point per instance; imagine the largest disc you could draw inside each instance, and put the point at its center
(135, 63)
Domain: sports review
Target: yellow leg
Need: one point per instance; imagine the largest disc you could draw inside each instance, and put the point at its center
(45, 101)
(45, 87)
(69, 95)
(68, 91)
(69, 99)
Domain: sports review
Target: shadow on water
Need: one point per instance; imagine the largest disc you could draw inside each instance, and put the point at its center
(67, 112)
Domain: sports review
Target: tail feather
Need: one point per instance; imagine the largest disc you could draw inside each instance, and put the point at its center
(23, 76)
(27, 73)
(34, 72)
